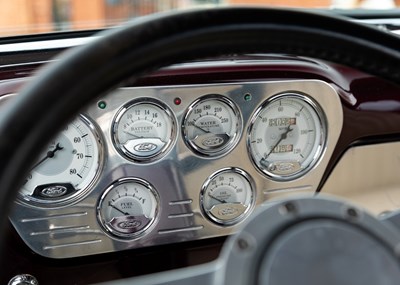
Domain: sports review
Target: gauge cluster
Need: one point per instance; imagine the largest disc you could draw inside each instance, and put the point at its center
(156, 165)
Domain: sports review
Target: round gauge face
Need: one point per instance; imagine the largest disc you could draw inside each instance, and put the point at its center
(144, 130)
(286, 136)
(227, 196)
(212, 125)
(128, 208)
(67, 168)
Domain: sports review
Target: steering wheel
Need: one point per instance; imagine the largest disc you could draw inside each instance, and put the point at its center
(80, 75)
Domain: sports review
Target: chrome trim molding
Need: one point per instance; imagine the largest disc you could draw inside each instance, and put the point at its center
(49, 44)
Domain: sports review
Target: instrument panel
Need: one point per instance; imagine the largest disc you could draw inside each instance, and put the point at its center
(147, 166)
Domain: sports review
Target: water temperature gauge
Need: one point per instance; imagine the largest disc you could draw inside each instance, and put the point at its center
(128, 208)
(227, 196)
(212, 125)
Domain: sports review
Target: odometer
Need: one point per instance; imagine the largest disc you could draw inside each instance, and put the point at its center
(286, 136)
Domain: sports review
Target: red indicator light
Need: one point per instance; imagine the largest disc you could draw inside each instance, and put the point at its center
(177, 101)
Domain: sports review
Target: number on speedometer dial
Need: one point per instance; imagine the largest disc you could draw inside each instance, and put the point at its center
(286, 136)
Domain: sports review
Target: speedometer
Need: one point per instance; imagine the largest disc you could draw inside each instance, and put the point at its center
(67, 168)
(286, 136)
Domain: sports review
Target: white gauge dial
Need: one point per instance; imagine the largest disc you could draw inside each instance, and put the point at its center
(212, 125)
(128, 208)
(286, 136)
(227, 196)
(144, 130)
(67, 168)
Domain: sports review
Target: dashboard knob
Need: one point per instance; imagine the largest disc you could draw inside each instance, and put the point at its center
(23, 279)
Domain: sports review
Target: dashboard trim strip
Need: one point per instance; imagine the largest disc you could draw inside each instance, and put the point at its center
(171, 231)
(61, 216)
(50, 247)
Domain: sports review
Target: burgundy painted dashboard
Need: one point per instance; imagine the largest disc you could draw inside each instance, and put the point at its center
(371, 114)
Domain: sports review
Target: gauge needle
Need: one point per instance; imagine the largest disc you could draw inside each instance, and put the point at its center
(283, 136)
(129, 133)
(208, 132)
(215, 198)
(112, 206)
(133, 135)
(200, 128)
(49, 154)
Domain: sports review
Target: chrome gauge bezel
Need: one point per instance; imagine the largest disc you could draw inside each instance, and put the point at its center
(82, 193)
(118, 235)
(232, 141)
(249, 208)
(320, 141)
(122, 111)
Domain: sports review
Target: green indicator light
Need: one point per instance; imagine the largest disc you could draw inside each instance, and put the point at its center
(102, 105)
(247, 97)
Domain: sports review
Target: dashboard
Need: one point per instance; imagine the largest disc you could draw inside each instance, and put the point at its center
(157, 165)
(169, 165)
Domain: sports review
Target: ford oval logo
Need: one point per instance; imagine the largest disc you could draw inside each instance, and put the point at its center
(145, 147)
(130, 224)
(54, 191)
(228, 211)
(285, 166)
(213, 142)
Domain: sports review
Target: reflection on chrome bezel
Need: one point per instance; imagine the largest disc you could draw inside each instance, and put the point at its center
(316, 156)
(78, 195)
(5, 98)
(250, 207)
(121, 112)
(118, 235)
(231, 143)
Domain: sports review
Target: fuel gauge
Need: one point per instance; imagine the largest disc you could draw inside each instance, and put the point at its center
(227, 196)
(128, 208)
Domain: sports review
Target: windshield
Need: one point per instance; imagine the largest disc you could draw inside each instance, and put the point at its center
(19, 17)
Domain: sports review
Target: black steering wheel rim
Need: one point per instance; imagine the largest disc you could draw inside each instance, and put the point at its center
(80, 75)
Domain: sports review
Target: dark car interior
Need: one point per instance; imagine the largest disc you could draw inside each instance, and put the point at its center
(230, 145)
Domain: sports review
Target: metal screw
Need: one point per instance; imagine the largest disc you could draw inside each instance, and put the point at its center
(352, 213)
(242, 244)
(23, 279)
(289, 207)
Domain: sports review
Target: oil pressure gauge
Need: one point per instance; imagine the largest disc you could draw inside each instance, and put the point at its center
(212, 125)
(128, 208)
(227, 196)
(287, 136)
(144, 130)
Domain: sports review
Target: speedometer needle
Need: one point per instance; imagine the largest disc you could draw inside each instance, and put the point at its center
(283, 136)
(49, 154)
(112, 206)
